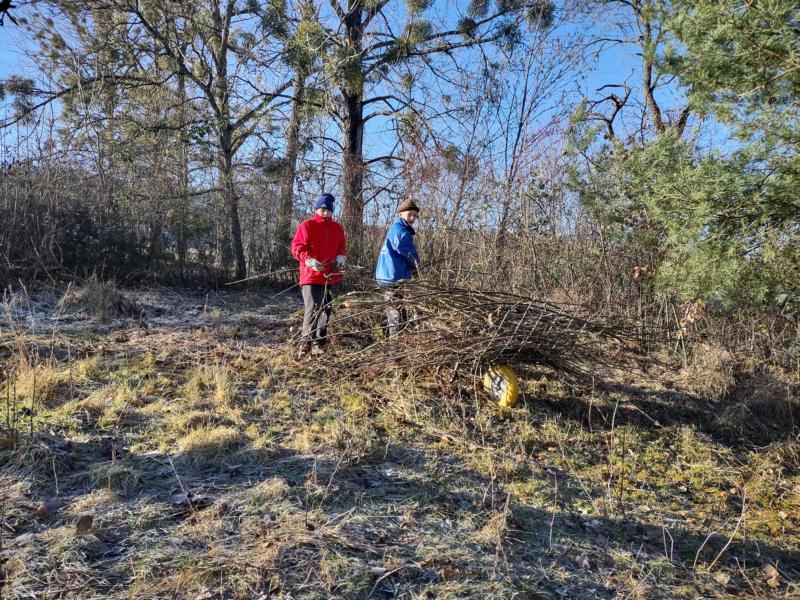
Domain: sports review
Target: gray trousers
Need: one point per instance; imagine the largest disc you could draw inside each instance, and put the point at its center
(396, 314)
(317, 301)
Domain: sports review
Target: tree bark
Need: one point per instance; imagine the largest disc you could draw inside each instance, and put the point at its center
(232, 206)
(283, 223)
(353, 166)
(655, 109)
(183, 171)
(353, 172)
(649, 45)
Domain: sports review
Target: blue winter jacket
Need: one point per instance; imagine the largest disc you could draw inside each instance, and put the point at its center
(398, 255)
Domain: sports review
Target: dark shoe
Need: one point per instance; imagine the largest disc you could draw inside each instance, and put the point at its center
(304, 350)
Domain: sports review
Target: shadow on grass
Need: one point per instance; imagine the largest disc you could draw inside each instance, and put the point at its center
(653, 409)
(401, 522)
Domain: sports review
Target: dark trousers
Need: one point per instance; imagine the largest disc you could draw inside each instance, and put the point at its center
(317, 300)
(396, 314)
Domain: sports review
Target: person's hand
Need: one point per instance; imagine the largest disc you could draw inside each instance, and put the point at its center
(314, 264)
(341, 260)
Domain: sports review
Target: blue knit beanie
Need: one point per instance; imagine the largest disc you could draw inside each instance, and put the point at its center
(325, 201)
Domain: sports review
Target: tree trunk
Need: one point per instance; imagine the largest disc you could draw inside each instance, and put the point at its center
(236, 232)
(353, 133)
(183, 211)
(154, 244)
(283, 223)
(222, 247)
(182, 250)
(232, 208)
(353, 173)
(648, 51)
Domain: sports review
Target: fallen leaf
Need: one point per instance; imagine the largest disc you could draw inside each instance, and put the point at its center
(722, 578)
(771, 576)
(447, 572)
(42, 512)
(84, 523)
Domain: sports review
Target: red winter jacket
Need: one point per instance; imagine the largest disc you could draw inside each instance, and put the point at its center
(321, 238)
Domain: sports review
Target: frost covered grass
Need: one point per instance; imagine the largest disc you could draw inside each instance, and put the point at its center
(217, 466)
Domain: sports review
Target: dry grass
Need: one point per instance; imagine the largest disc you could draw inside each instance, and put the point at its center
(208, 446)
(87, 410)
(116, 477)
(43, 383)
(753, 398)
(270, 490)
(185, 422)
(92, 502)
(218, 467)
(213, 384)
(97, 299)
(709, 373)
(89, 368)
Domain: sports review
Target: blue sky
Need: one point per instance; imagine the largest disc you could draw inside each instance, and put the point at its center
(614, 65)
(12, 58)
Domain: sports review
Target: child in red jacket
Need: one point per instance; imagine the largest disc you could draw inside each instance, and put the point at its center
(319, 247)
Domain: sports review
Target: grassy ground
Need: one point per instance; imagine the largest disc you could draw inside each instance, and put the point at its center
(179, 451)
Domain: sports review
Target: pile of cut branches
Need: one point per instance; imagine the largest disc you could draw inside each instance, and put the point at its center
(467, 329)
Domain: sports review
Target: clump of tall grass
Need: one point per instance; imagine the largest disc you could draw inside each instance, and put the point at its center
(98, 299)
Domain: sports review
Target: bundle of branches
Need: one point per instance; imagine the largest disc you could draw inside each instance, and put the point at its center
(465, 329)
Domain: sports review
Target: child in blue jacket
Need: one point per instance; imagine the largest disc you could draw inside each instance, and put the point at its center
(396, 263)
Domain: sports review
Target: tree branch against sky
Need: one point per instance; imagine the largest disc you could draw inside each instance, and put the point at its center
(641, 99)
(372, 41)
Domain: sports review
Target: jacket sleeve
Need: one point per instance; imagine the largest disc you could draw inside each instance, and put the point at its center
(300, 244)
(404, 245)
(342, 250)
